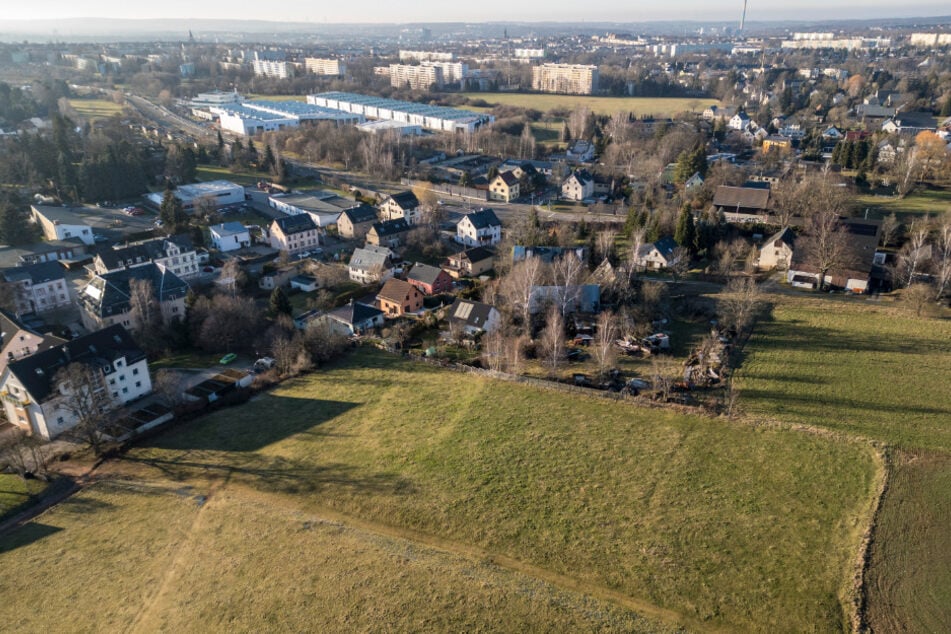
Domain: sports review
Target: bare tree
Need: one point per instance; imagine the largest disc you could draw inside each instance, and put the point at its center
(232, 276)
(517, 287)
(739, 304)
(84, 398)
(145, 311)
(827, 244)
(680, 263)
(637, 241)
(603, 348)
(604, 244)
(551, 342)
(918, 297)
(942, 255)
(890, 226)
(290, 355)
(568, 273)
(915, 253)
(170, 385)
(24, 453)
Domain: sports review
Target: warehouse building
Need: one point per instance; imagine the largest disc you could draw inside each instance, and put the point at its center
(424, 115)
(252, 117)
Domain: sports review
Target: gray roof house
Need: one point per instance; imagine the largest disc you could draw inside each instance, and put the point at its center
(367, 266)
(106, 299)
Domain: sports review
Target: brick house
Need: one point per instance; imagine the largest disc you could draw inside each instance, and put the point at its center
(429, 279)
(398, 297)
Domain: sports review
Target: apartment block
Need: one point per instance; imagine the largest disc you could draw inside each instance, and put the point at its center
(321, 66)
(570, 79)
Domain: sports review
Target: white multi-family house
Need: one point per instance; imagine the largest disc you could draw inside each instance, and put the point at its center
(38, 288)
(479, 229)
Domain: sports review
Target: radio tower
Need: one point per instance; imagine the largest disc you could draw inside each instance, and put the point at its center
(743, 17)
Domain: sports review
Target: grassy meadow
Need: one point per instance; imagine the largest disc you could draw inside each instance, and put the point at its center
(96, 108)
(639, 106)
(719, 524)
(15, 491)
(879, 372)
(919, 203)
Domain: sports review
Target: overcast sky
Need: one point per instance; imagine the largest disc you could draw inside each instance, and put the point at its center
(482, 10)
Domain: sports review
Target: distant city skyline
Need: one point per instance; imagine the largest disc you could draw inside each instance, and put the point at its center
(488, 10)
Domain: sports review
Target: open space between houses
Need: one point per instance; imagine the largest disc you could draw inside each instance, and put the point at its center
(723, 525)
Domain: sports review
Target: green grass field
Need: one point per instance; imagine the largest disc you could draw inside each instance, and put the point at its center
(96, 108)
(879, 372)
(678, 514)
(921, 202)
(15, 491)
(640, 106)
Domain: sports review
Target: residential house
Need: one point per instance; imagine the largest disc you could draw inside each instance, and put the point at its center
(34, 399)
(472, 317)
(910, 123)
(354, 318)
(279, 275)
(389, 233)
(774, 142)
(739, 121)
(305, 283)
(60, 223)
(657, 255)
(578, 186)
(18, 340)
(106, 299)
(583, 298)
(69, 251)
(354, 223)
(546, 254)
(230, 236)
(175, 253)
(398, 297)
(368, 266)
(470, 263)
(777, 251)
(716, 113)
(430, 280)
(580, 151)
(294, 234)
(856, 272)
(38, 288)
(504, 187)
(693, 183)
(403, 205)
(749, 203)
(479, 229)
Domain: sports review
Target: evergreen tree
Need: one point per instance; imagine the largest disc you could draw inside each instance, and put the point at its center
(946, 107)
(269, 161)
(15, 227)
(279, 303)
(172, 213)
(685, 234)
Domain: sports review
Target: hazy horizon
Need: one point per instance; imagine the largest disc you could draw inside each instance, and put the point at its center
(488, 11)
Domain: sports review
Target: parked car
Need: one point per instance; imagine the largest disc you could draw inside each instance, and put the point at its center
(228, 358)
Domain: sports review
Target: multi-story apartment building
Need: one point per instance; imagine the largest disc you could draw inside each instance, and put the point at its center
(272, 68)
(426, 56)
(416, 77)
(322, 66)
(572, 79)
(38, 287)
(294, 234)
(176, 253)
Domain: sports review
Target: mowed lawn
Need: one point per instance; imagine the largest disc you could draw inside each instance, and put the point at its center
(639, 106)
(724, 525)
(879, 372)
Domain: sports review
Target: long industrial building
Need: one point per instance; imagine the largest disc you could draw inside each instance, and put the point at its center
(252, 117)
(430, 117)
(570, 79)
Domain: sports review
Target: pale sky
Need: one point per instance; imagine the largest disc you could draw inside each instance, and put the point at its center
(478, 11)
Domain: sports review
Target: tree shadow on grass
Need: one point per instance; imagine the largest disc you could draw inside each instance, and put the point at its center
(26, 535)
(253, 426)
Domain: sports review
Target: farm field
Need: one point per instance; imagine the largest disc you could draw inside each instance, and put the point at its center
(96, 108)
(690, 521)
(875, 371)
(640, 106)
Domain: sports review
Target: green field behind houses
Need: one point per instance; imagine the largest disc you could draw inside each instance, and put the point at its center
(96, 108)
(639, 106)
(876, 371)
(918, 203)
(615, 509)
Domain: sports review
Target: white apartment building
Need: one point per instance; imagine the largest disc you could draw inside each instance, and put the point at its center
(529, 53)
(322, 66)
(416, 77)
(272, 68)
(59, 223)
(426, 56)
(571, 79)
(929, 40)
(38, 287)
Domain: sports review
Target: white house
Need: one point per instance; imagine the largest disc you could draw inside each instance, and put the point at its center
(59, 223)
(176, 253)
(230, 236)
(479, 229)
(35, 401)
(739, 121)
(370, 265)
(578, 186)
(657, 255)
(38, 287)
(402, 205)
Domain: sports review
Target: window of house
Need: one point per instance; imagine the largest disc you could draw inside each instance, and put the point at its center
(115, 395)
(135, 371)
(138, 383)
(59, 421)
(125, 390)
